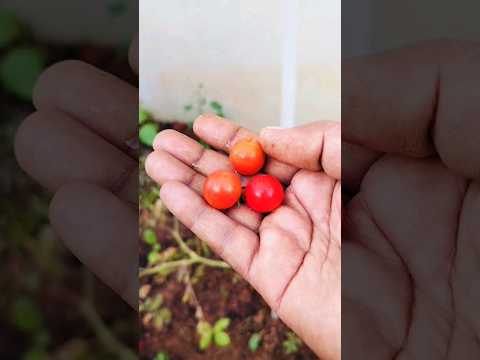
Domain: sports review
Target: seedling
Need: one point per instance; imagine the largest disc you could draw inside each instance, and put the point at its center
(254, 342)
(20, 69)
(143, 115)
(161, 356)
(150, 237)
(153, 310)
(217, 108)
(292, 344)
(216, 334)
(147, 133)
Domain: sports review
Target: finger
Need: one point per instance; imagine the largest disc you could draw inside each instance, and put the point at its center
(133, 54)
(191, 152)
(102, 102)
(312, 147)
(233, 242)
(314, 190)
(163, 167)
(356, 161)
(102, 232)
(56, 150)
(420, 101)
(222, 134)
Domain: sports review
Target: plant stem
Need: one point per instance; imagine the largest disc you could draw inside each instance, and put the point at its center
(193, 257)
(103, 333)
(166, 266)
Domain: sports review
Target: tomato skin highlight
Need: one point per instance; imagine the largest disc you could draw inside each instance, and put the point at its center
(247, 157)
(264, 193)
(222, 189)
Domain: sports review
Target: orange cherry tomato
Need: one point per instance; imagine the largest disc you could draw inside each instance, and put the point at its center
(222, 189)
(247, 157)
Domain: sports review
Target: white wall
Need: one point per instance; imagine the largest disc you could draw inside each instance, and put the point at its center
(234, 48)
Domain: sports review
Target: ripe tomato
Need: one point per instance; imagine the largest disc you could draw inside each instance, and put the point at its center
(264, 193)
(247, 157)
(222, 189)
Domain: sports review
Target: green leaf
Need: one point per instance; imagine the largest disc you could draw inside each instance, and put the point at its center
(162, 318)
(10, 29)
(20, 69)
(204, 327)
(222, 339)
(26, 316)
(147, 133)
(221, 325)
(216, 106)
(153, 257)
(161, 356)
(292, 343)
(254, 342)
(151, 304)
(205, 341)
(143, 115)
(150, 237)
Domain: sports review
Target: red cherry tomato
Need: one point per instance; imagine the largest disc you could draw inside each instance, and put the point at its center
(264, 193)
(247, 157)
(222, 189)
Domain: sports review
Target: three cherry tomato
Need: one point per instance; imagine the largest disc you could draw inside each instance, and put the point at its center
(263, 193)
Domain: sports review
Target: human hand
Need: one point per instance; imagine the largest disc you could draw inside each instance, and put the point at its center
(75, 145)
(292, 256)
(411, 233)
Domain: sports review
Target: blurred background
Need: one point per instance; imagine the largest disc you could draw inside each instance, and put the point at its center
(51, 307)
(259, 63)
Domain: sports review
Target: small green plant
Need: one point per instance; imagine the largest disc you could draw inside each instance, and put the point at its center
(26, 316)
(149, 237)
(20, 69)
(217, 108)
(292, 344)
(162, 355)
(216, 333)
(148, 128)
(143, 115)
(158, 315)
(147, 133)
(254, 342)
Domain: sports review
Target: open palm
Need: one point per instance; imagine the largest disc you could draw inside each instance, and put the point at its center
(411, 243)
(292, 256)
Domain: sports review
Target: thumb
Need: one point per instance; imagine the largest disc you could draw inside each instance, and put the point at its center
(316, 146)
